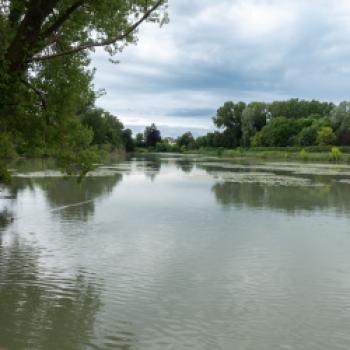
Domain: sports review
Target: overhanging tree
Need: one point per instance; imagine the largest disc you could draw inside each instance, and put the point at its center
(44, 55)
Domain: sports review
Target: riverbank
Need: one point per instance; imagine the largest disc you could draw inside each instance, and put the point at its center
(331, 154)
(320, 153)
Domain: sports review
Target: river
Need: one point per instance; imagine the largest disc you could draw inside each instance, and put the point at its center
(176, 252)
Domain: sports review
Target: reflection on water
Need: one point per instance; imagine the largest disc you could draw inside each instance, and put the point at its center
(176, 252)
(283, 198)
(40, 311)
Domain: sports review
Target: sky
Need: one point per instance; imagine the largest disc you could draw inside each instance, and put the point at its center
(214, 51)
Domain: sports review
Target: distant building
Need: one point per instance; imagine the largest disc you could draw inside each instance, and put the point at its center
(170, 140)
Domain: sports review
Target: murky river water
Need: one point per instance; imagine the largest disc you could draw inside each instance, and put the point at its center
(177, 253)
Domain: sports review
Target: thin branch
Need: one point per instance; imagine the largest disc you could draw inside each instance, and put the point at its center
(106, 42)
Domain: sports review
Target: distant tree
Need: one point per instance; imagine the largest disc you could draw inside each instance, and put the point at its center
(202, 141)
(152, 136)
(139, 140)
(295, 108)
(340, 121)
(254, 118)
(186, 140)
(128, 140)
(326, 136)
(229, 117)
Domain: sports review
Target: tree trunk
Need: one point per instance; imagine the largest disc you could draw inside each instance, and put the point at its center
(28, 35)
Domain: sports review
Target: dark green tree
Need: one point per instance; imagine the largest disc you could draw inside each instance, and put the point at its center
(139, 140)
(128, 140)
(229, 117)
(152, 136)
(254, 118)
(186, 140)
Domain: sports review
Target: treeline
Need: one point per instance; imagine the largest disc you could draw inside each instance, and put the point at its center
(101, 129)
(291, 123)
(280, 124)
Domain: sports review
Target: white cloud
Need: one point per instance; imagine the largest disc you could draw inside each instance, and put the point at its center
(229, 49)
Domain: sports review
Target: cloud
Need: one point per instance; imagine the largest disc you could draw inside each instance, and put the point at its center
(211, 52)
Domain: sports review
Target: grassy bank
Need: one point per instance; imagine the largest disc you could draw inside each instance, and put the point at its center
(324, 154)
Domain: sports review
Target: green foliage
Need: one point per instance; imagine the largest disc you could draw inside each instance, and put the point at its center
(45, 82)
(164, 146)
(187, 140)
(340, 121)
(297, 109)
(279, 132)
(128, 140)
(335, 154)
(229, 117)
(254, 118)
(307, 136)
(5, 176)
(75, 155)
(7, 149)
(107, 129)
(326, 136)
(304, 154)
(139, 140)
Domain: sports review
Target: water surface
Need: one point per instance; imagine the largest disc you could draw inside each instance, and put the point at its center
(176, 252)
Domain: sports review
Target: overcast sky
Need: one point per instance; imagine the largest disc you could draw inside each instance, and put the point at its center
(218, 50)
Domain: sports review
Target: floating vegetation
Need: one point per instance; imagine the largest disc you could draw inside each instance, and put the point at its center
(265, 179)
(286, 167)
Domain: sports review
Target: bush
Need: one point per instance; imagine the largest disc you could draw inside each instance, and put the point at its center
(336, 154)
(326, 136)
(304, 155)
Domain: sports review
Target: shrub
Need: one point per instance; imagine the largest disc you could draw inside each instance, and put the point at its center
(304, 154)
(335, 154)
(326, 136)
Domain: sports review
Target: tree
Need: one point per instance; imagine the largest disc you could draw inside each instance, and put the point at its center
(35, 31)
(326, 136)
(152, 136)
(139, 140)
(295, 108)
(107, 129)
(253, 120)
(128, 140)
(340, 121)
(307, 136)
(44, 56)
(229, 117)
(186, 140)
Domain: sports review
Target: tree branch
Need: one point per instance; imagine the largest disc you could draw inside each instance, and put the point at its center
(106, 42)
(62, 18)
